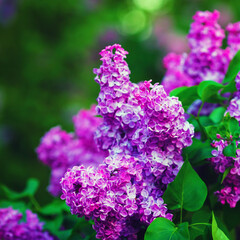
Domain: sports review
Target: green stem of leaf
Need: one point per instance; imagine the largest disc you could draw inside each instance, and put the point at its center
(200, 109)
(194, 224)
(34, 203)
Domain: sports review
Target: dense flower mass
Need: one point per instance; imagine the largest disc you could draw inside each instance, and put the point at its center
(231, 191)
(13, 228)
(61, 150)
(144, 131)
(234, 105)
(207, 60)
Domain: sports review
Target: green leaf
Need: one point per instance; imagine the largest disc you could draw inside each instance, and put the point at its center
(53, 224)
(217, 233)
(233, 69)
(217, 114)
(208, 91)
(229, 126)
(230, 87)
(55, 207)
(64, 235)
(212, 132)
(233, 125)
(230, 150)
(83, 228)
(187, 191)
(187, 95)
(162, 228)
(31, 188)
(226, 172)
(201, 216)
(198, 151)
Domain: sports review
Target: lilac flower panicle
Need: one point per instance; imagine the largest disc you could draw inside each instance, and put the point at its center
(61, 150)
(205, 33)
(231, 192)
(13, 228)
(144, 131)
(207, 60)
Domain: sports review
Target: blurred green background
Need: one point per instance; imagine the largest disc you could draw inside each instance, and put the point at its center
(48, 49)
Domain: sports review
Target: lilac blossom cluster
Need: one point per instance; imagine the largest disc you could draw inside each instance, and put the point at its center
(144, 131)
(234, 105)
(207, 60)
(61, 150)
(231, 191)
(13, 228)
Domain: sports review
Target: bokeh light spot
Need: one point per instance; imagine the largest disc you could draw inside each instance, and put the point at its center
(149, 5)
(133, 22)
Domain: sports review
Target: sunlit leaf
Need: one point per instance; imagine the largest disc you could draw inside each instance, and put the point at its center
(164, 229)
(217, 233)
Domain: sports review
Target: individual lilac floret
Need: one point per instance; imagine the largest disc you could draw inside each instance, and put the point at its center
(61, 150)
(145, 131)
(231, 191)
(13, 228)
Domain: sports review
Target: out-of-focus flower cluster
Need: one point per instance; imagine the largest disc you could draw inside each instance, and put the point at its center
(168, 39)
(231, 191)
(207, 60)
(61, 150)
(144, 131)
(13, 228)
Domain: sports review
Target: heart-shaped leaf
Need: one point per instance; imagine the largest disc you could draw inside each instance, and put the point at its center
(164, 229)
(187, 191)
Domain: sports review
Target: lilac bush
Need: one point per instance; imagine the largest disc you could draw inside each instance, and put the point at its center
(133, 166)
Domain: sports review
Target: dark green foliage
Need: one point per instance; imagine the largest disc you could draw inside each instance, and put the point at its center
(187, 191)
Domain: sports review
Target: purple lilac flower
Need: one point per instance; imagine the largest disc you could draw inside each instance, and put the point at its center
(144, 130)
(234, 105)
(233, 36)
(234, 108)
(61, 150)
(12, 227)
(207, 60)
(231, 191)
